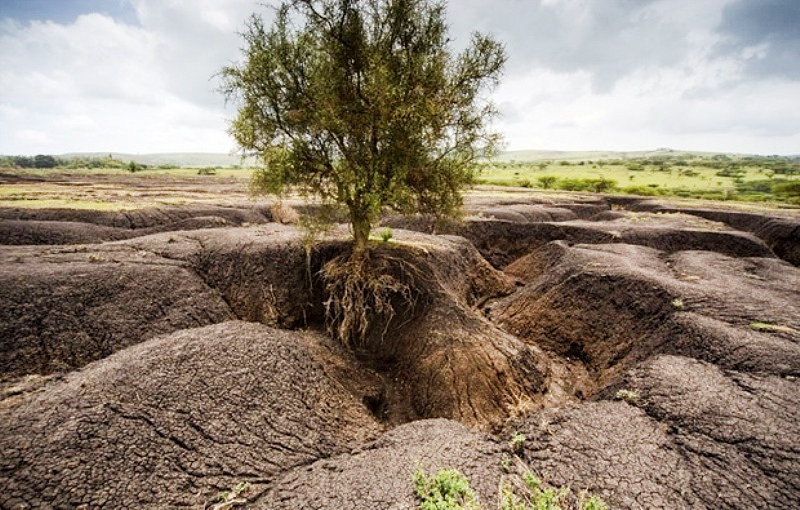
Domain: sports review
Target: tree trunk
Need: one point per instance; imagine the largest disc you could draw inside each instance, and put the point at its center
(361, 227)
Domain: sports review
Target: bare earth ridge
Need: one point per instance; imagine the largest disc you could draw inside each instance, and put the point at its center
(649, 353)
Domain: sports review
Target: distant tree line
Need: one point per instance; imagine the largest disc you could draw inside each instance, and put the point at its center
(50, 161)
(38, 161)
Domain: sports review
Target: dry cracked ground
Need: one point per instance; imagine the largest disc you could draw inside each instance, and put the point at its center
(648, 352)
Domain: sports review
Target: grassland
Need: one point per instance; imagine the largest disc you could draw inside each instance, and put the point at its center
(688, 175)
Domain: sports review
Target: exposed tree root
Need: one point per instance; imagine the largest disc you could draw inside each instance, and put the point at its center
(364, 292)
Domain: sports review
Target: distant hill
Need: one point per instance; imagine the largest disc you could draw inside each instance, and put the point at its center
(196, 159)
(541, 155)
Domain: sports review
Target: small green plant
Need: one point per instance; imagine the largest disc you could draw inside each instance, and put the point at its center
(449, 489)
(520, 489)
(208, 170)
(627, 395)
(677, 303)
(774, 328)
(586, 502)
(518, 441)
(532, 494)
(231, 498)
(386, 235)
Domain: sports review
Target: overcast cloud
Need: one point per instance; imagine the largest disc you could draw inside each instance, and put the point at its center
(137, 75)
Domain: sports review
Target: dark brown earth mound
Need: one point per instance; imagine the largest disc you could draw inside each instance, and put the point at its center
(442, 359)
(74, 226)
(502, 242)
(685, 434)
(27, 232)
(445, 359)
(263, 273)
(649, 357)
(602, 304)
(505, 238)
(526, 212)
(21, 232)
(450, 361)
(139, 218)
(61, 308)
(175, 420)
(718, 431)
(780, 233)
(378, 475)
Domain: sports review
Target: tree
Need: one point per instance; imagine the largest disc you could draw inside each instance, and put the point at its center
(546, 181)
(363, 103)
(44, 161)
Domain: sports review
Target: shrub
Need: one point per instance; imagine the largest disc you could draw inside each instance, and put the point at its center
(546, 181)
(596, 185)
(627, 395)
(449, 489)
(789, 191)
(517, 441)
(208, 170)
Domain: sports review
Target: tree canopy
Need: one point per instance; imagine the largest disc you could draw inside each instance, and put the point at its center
(364, 103)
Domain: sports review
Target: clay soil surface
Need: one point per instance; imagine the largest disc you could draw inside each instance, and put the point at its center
(163, 341)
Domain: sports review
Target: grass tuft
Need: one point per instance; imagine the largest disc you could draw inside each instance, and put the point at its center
(772, 328)
(448, 489)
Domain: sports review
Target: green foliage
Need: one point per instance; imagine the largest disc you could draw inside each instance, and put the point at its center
(591, 503)
(44, 161)
(599, 185)
(38, 161)
(518, 441)
(386, 235)
(522, 489)
(363, 103)
(208, 170)
(526, 491)
(531, 495)
(627, 395)
(231, 498)
(546, 181)
(640, 190)
(771, 328)
(449, 489)
(789, 191)
(751, 178)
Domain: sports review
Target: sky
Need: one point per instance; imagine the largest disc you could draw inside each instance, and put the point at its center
(138, 76)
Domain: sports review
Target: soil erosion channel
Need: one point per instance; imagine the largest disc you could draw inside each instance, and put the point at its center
(647, 353)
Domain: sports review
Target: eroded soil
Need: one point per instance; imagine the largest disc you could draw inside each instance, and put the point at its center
(154, 357)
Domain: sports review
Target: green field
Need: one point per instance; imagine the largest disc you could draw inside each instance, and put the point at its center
(693, 175)
(651, 173)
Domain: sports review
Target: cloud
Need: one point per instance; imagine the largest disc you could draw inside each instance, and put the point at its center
(582, 74)
(625, 74)
(101, 84)
(769, 28)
